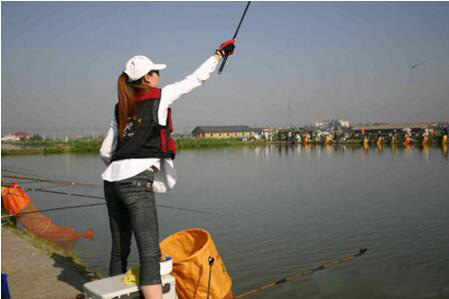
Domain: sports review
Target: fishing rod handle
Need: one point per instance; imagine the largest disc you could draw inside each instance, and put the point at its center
(222, 65)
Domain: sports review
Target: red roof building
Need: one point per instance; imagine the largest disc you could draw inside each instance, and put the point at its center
(25, 135)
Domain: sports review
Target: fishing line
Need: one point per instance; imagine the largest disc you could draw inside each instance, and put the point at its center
(301, 274)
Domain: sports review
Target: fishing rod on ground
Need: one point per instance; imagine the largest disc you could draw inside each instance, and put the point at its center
(301, 274)
(235, 35)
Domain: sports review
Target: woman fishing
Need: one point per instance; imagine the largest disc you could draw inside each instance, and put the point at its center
(139, 152)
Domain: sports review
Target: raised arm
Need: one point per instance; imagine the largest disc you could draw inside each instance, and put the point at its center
(175, 90)
(172, 92)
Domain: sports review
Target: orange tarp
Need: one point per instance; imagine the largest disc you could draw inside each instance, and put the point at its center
(190, 250)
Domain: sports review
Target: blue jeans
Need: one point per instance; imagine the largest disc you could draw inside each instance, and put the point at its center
(132, 208)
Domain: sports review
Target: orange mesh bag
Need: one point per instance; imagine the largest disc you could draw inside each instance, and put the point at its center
(190, 250)
(14, 199)
(16, 202)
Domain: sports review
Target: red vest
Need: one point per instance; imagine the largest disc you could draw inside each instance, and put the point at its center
(144, 137)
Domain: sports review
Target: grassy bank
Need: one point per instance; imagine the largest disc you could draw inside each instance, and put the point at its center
(190, 143)
(52, 147)
(50, 248)
(82, 146)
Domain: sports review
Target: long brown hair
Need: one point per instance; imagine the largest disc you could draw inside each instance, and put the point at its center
(127, 100)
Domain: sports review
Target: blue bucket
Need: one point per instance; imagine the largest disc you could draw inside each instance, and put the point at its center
(5, 290)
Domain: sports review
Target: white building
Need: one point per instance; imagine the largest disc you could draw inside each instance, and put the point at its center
(332, 124)
(344, 123)
(10, 138)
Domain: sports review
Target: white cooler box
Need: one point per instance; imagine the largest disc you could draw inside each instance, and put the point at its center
(113, 287)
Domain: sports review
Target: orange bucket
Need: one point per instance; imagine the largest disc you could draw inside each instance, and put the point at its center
(191, 250)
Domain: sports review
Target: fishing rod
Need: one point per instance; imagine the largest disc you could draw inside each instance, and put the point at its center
(303, 273)
(235, 35)
(60, 184)
(42, 180)
(64, 193)
(54, 209)
(73, 183)
(103, 203)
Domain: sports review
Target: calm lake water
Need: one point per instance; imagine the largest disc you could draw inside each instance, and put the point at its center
(275, 211)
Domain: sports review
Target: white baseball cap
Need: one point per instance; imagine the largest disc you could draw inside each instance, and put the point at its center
(140, 65)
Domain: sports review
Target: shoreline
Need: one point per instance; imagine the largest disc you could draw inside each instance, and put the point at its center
(93, 146)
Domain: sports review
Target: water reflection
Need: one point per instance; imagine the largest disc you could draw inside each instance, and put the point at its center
(425, 151)
(379, 148)
(394, 147)
(329, 151)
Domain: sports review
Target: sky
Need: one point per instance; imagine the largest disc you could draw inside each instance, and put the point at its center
(295, 62)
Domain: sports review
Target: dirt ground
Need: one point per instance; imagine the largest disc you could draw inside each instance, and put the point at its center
(32, 273)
